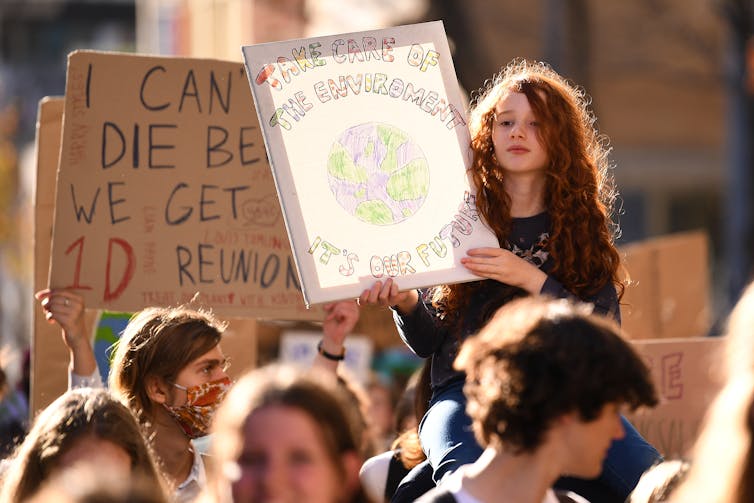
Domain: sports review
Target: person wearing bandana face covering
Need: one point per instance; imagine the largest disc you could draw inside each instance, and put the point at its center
(168, 368)
(202, 401)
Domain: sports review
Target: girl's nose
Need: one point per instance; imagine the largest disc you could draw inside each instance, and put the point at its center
(517, 131)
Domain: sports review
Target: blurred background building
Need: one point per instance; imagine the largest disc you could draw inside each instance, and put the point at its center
(669, 81)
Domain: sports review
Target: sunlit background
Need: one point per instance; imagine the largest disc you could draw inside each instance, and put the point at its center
(669, 79)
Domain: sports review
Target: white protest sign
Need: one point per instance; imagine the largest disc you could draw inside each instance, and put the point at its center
(300, 347)
(368, 143)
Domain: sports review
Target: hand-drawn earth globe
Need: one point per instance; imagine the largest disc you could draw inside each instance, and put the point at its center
(377, 173)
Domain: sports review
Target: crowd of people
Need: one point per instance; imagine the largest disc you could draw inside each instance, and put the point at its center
(520, 398)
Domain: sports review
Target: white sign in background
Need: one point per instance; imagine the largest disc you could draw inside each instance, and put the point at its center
(367, 138)
(300, 347)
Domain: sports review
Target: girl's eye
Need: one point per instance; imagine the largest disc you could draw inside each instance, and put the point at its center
(534, 123)
(301, 457)
(506, 123)
(211, 367)
(250, 459)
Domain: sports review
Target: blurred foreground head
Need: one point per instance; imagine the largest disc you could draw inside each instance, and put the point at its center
(82, 427)
(286, 435)
(722, 460)
(538, 360)
(740, 332)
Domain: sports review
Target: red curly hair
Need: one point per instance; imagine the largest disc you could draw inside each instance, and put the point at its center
(579, 191)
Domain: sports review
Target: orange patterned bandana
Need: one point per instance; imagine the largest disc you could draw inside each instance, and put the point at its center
(202, 401)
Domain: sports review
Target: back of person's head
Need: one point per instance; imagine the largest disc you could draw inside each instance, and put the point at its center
(100, 484)
(240, 461)
(540, 359)
(658, 483)
(381, 401)
(159, 342)
(410, 409)
(722, 459)
(80, 417)
(359, 417)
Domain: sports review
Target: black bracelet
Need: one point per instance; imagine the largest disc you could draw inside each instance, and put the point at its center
(330, 356)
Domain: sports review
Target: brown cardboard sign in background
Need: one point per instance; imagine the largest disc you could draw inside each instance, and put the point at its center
(668, 296)
(164, 192)
(49, 357)
(687, 378)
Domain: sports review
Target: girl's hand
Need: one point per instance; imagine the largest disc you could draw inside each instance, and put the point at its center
(506, 267)
(340, 320)
(388, 294)
(65, 308)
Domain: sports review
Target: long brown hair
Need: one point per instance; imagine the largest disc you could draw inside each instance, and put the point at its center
(160, 342)
(579, 190)
(72, 416)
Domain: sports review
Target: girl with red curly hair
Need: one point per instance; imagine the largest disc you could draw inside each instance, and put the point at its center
(544, 188)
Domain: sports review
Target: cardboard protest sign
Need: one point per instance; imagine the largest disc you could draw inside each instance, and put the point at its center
(49, 357)
(687, 379)
(164, 192)
(367, 138)
(668, 296)
(49, 367)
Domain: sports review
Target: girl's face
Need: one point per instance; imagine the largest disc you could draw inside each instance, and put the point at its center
(208, 367)
(514, 135)
(284, 459)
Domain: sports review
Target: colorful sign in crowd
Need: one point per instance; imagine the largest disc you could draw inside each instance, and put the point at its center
(367, 139)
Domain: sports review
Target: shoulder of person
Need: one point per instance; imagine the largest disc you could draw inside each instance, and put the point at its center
(374, 474)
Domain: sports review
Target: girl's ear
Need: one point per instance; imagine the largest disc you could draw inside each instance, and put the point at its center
(156, 389)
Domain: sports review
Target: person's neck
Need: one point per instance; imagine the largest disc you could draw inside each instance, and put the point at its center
(526, 194)
(501, 476)
(172, 447)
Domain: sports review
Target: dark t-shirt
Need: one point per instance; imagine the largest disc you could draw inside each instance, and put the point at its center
(428, 336)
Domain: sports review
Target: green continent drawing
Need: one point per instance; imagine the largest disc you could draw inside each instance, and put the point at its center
(377, 173)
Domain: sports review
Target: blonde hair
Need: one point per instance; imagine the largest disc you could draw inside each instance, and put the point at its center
(658, 483)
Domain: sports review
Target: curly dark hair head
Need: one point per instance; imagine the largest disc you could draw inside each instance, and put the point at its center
(539, 359)
(579, 190)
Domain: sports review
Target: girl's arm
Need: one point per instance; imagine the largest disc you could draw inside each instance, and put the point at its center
(340, 321)
(507, 267)
(605, 301)
(66, 308)
(416, 323)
